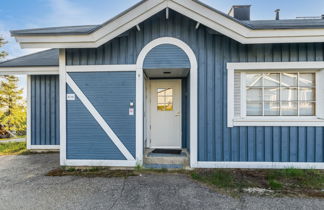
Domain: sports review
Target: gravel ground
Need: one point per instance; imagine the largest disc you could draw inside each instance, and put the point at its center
(24, 186)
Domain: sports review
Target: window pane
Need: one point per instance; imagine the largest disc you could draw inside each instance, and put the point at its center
(289, 108)
(253, 79)
(169, 100)
(161, 100)
(271, 94)
(161, 91)
(271, 108)
(306, 109)
(254, 109)
(161, 107)
(289, 94)
(307, 80)
(307, 94)
(271, 80)
(288, 80)
(254, 94)
(169, 92)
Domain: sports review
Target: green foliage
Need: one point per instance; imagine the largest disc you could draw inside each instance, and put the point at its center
(219, 178)
(12, 148)
(12, 107)
(274, 184)
(2, 53)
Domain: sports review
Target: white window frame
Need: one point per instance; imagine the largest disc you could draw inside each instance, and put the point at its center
(243, 120)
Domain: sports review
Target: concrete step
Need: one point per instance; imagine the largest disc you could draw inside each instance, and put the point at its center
(164, 166)
(166, 160)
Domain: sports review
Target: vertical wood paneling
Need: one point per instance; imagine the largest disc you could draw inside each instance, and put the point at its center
(216, 142)
(44, 110)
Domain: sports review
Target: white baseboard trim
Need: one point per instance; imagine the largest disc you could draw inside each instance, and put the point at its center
(43, 147)
(259, 165)
(115, 163)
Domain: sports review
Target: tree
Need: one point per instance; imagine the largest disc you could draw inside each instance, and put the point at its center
(12, 106)
(2, 53)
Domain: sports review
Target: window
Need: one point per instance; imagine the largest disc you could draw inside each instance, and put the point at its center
(280, 94)
(275, 94)
(165, 99)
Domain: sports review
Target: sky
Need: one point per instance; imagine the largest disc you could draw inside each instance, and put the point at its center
(24, 14)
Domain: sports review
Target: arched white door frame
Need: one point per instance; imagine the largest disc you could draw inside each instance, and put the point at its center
(193, 97)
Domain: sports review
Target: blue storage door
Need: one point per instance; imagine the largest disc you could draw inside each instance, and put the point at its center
(100, 125)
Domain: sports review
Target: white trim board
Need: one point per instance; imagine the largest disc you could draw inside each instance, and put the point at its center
(44, 147)
(317, 120)
(113, 163)
(100, 68)
(260, 165)
(103, 124)
(193, 96)
(29, 70)
(192, 9)
(62, 72)
(28, 133)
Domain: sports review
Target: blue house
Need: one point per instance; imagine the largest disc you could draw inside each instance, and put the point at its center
(170, 75)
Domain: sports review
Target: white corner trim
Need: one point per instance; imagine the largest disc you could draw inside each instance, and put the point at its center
(44, 147)
(112, 163)
(103, 124)
(269, 121)
(28, 134)
(100, 68)
(191, 9)
(259, 165)
(30, 70)
(62, 90)
(193, 96)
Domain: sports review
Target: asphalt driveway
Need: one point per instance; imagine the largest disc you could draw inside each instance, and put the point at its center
(24, 186)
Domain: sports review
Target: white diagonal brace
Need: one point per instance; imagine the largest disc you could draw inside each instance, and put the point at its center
(99, 118)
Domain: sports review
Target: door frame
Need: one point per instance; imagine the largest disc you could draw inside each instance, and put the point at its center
(148, 114)
(193, 97)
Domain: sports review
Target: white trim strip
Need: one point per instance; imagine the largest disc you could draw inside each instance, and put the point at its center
(29, 70)
(259, 165)
(44, 147)
(100, 68)
(62, 63)
(99, 118)
(28, 134)
(113, 163)
(276, 66)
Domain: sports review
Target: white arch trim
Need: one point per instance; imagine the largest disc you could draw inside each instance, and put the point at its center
(193, 96)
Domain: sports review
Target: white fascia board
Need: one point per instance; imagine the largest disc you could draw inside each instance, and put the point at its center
(191, 9)
(29, 70)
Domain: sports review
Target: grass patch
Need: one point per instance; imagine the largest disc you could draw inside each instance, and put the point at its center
(287, 181)
(13, 148)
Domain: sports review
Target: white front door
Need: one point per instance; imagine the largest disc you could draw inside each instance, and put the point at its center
(165, 114)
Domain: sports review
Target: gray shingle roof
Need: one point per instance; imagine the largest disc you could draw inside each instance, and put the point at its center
(285, 24)
(43, 58)
(66, 30)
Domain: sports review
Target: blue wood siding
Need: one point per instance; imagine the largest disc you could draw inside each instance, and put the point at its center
(110, 93)
(166, 56)
(217, 142)
(45, 110)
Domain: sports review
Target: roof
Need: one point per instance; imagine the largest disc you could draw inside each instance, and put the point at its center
(65, 30)
(43, 58)
(245, 32)
(286, 24)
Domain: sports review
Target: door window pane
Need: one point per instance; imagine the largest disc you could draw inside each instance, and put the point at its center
(164, 99)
